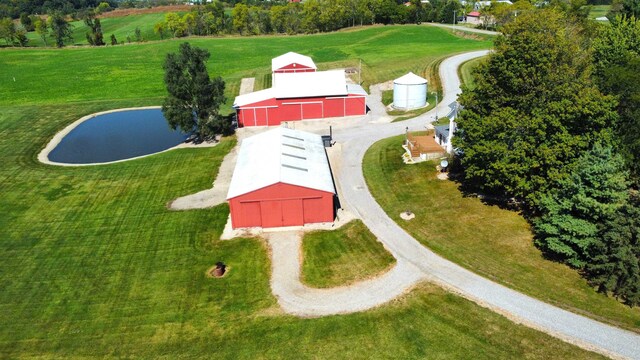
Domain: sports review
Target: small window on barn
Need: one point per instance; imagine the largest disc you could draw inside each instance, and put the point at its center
(295, 156)
(294, 167)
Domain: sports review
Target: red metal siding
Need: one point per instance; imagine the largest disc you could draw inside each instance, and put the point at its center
(281, 205)
(274, 111)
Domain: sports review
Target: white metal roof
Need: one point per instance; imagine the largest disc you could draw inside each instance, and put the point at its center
(410, 79)
(291, 58)
(254, 97)
(319, 83)
(281, 155)
(356, 89)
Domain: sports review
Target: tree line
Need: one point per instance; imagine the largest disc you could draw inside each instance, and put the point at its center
(312, 16)
(553, 124)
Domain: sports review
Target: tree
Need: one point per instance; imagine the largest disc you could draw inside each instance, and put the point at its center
(194, 99)
(241, 18)
(7, 30)
(575, 214)
(624, 8)
(114, 41)
(615, 268)
(533, 112)
(94, 36)
(617, 71)
(60, 28)
(27, 22)
(138, 34)
(42, 29)
(159, 28)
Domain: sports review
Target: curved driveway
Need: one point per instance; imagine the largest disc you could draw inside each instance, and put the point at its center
(355, 197)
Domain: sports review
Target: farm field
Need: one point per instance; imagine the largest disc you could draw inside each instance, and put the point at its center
(490, 241)
(49, 76)
(599, 11)
(121, 27)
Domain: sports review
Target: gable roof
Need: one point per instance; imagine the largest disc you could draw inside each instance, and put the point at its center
(281, 156)
(291, 58)
(410, 79)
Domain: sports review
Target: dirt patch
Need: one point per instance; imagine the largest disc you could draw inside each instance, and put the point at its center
(153, 10)
(219, 270)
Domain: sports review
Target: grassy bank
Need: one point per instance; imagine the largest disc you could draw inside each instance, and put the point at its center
(343, 256)
(466, 69)
(492, 242)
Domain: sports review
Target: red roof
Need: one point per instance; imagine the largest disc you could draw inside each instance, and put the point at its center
(474, 14)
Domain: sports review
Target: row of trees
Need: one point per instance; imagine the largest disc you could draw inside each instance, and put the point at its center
(18, 8)
(312, 16)
(554, 123)
(54, 26)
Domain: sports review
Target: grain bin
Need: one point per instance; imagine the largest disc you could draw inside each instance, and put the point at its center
(409, 92)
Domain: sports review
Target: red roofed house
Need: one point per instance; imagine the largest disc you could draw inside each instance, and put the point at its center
(473, 18)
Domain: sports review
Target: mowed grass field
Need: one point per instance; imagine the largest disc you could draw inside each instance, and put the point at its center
(490, 241)
(45, 76)
(93, 264)
(466, 72)
(121, 27)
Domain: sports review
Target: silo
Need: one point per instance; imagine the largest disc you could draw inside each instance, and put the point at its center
(409, 92)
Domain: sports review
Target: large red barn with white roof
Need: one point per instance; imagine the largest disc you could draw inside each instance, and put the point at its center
(300, 95)
(282, 178)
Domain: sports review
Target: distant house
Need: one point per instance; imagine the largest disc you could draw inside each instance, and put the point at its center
(473, 18)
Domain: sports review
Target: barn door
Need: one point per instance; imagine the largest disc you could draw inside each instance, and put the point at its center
(292, 213)
(271, 213)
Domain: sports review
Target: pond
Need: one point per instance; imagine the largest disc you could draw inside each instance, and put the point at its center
(117, 136)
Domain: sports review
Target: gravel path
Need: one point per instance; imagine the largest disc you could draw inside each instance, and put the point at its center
(298, 299)
(463, 28)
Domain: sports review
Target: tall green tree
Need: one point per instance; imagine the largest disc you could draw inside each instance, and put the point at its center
(615, 267)
(534, 110)
(60, 28)
(576, 214)
(194, 99)
(42, 29)
(94, 36)
(617, 71)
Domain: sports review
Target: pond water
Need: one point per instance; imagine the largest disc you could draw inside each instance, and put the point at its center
(117, 136)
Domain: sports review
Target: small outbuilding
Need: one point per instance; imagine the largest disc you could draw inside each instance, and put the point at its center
(409, 92)
(282, 178)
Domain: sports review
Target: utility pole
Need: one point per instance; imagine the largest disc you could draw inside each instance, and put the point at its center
(436, 105)
(454, 20)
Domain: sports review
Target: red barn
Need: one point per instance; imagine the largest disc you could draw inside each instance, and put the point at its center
(300, 96)
(282, 178)
(291, 63)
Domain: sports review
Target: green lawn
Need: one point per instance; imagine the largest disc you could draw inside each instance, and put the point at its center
(492, 242)
(465, 71)
(599, 10)
(121, 27)
(92, 264)
(49, 76)
(342, 256)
